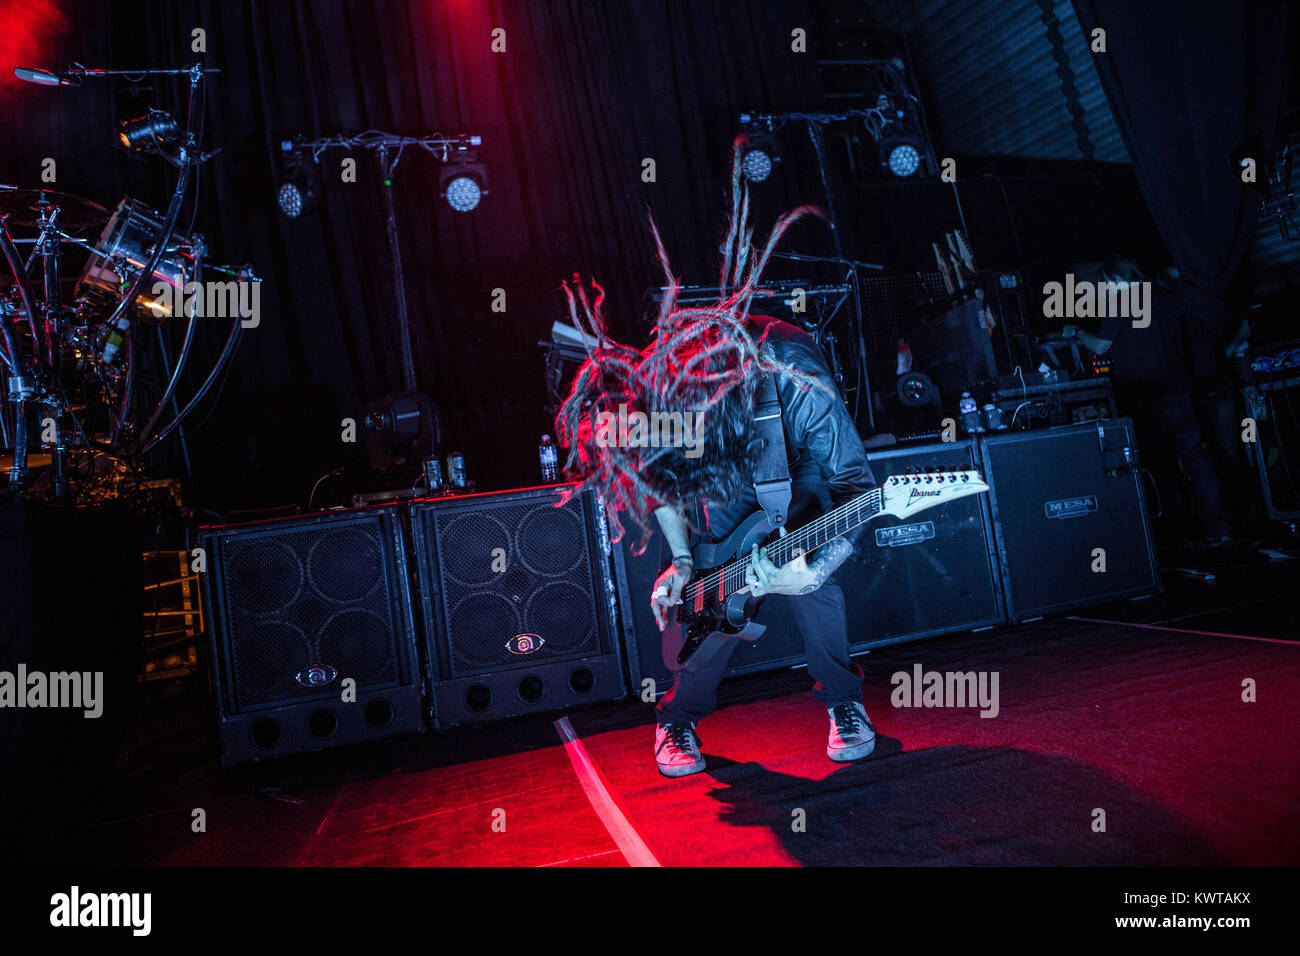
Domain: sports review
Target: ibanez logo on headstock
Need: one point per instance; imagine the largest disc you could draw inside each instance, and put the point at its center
(915, 491)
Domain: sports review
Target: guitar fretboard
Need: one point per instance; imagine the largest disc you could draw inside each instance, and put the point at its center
(730, 578)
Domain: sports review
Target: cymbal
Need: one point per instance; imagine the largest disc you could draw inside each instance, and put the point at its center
(24, 207)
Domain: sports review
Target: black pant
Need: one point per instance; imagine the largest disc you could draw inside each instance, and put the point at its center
(1169, 433)
(820, 615)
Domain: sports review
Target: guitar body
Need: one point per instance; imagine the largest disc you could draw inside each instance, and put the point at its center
(716, 599)
(691, 639)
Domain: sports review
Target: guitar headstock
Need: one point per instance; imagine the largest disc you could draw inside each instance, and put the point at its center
(906, 494)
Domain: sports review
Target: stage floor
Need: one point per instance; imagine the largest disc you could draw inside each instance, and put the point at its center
(1131, 710)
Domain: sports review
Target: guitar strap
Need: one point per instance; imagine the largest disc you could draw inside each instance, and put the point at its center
(772, 474)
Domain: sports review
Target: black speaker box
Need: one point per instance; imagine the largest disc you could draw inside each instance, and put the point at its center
(905, 581)
(1272, 402)
(934, 575)
(298, 607)
(517, 602)
(1068, 502)
(72, 606)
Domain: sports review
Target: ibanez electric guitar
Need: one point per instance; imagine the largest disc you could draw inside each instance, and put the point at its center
(713, 609)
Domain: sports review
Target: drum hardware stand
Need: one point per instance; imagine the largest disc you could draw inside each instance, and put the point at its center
(48, 246)
(33, 377)
(199, 250)
(187, 158)
(23, 384)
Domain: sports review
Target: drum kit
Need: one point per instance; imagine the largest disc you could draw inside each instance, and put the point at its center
(88, 385)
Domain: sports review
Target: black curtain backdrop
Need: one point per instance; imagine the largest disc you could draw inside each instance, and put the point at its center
(584, 92)
(1194, 86)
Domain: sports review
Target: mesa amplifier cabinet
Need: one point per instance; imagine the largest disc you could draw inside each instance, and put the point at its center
(1070, 516)
(905, 581)
(934, 575)
(517, 603)
(312, 632)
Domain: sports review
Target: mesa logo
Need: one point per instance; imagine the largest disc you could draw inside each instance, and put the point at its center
(524, 643)
(1070, 507)
(902, 535)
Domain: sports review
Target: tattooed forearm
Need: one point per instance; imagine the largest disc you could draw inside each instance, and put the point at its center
(828, 559)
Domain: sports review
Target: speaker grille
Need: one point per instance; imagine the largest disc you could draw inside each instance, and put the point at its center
(306, 602)
(1058, 500)
(509, 567)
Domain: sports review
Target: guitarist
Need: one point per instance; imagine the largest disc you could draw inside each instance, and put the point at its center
(828, 467)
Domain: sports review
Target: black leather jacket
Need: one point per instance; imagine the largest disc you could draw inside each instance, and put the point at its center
(817, 426)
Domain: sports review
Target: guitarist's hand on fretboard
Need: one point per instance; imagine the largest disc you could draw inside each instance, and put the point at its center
(668, 590)
(764, 577)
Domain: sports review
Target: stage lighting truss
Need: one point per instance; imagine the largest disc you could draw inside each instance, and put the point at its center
(298, 191)
(885, 133)
(462, 180)
(885, 130)
(897, 121)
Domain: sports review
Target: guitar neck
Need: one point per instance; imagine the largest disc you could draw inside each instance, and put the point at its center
(899, 495)
(730, 578)
(835, 523)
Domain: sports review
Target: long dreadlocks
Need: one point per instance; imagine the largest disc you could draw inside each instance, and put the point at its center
(702, 360)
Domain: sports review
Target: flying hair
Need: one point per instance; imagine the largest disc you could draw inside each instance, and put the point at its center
(702, 360)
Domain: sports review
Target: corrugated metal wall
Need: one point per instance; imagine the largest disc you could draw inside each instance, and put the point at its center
(989, 70)
(1274, 261)
(992, 88)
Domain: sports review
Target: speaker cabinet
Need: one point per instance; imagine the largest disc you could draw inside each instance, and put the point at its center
(1070, 516)
(937, 574)
(905, 581)
(1271, 402)
(298, 608)
(517, 603)
(61, 616)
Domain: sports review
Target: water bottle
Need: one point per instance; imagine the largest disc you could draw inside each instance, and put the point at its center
(970, 415)
(550, 459)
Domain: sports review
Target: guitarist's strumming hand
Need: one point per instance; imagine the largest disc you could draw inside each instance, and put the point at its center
(797, 577)
(668, 589)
